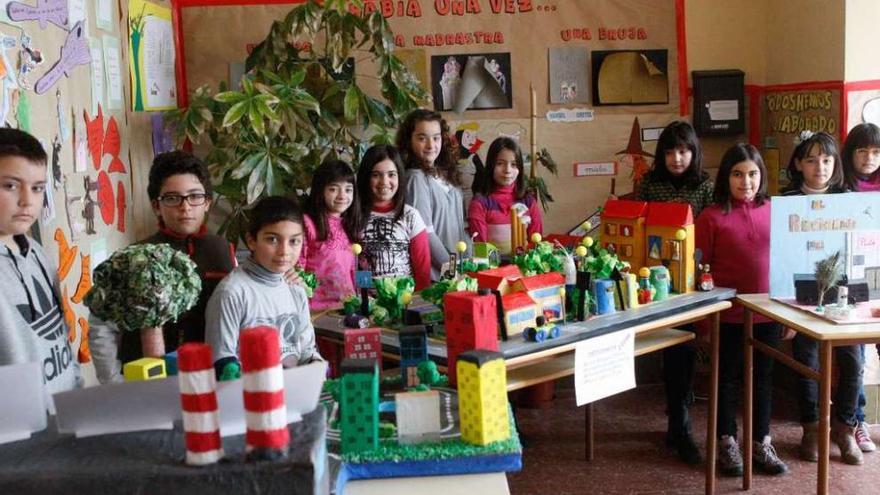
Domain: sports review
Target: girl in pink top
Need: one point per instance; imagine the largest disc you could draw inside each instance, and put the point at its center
(501, 186)
(733, 235)
(861, 158)
(330, 225)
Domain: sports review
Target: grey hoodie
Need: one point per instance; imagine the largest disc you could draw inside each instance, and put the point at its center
(32, 324)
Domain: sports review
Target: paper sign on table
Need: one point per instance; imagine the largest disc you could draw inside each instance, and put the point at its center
(604, 366)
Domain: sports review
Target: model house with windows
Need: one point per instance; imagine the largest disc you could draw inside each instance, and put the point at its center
(623, 229)
(544, 289)
(669, 235)
(471, 323)
(482, 397)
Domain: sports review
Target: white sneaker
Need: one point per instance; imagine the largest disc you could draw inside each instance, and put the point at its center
(863, 438)
(730, 461)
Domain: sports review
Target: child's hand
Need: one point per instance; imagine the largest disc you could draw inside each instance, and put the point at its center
(787, 333)
(292, 277)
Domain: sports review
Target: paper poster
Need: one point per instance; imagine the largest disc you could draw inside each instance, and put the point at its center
(98, 76)
(630, 77)
(113, 68)
(104, 14)
(807, 229)
(568, 75)
(570, 115)
(723, 109)
(151, 65)
(471, 82)
(74, 52)
(76, 12)
(162, 138)
(604, 366)
(45, 11)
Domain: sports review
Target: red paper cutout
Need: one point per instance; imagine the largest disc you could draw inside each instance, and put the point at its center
(95, 136)
(120, 206)
(85, 279)
(111, 138)
(116, 165)
(105, 198)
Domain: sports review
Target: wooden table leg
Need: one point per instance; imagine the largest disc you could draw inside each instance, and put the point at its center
(588, 432)
(824, 415)
(748, 379)
(712, 421)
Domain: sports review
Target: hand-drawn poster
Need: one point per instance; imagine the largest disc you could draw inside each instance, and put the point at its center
(471, 82)
(630, 77)
(151, 44)
(113, 66)
(568, 68)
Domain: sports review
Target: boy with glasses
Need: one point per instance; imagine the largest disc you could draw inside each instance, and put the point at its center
(179, 189)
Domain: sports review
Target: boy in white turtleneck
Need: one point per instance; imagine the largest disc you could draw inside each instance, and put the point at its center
(256, 294)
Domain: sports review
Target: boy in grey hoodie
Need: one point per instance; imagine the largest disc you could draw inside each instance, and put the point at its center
(256, 293)
(32, 327)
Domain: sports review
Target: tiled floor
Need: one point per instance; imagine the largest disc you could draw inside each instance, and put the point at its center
(631, 457)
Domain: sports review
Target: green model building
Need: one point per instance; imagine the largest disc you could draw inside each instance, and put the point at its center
(359, 405)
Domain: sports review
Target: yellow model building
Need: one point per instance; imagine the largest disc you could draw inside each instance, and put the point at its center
(482, 397)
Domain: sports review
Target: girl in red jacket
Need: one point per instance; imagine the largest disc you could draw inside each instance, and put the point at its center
(734, 237)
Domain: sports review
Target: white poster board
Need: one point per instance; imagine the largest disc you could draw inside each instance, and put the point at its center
(604, 366)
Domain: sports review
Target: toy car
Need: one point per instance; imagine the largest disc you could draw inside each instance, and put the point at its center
(541, 331)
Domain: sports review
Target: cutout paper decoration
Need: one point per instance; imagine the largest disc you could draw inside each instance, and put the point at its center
(471, 81)
(151, 65)
(89, 204)
(112, 146)
(120, 206)
(105, 198)
(29, 59)
(85, 279)
(66, 254)
(84, 355)
(56, 162)
(69, 315)
(95, 136)
(74, 52)
(54, 11)
(630, 77)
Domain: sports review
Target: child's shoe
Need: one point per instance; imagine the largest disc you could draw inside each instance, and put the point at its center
(764, 458)
(730, 461)
(844, 436)
(863, 438)
(809, 449)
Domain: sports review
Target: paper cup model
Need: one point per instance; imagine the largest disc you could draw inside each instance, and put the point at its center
(267, 437)
(198, 398)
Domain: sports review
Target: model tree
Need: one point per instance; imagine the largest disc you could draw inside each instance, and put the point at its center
(141, 287)
(827, 275)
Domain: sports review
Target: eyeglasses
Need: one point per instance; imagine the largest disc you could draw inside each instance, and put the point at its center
(194, 199)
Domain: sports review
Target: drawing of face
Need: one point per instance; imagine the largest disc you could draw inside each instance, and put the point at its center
(451, 67)
(468, 139)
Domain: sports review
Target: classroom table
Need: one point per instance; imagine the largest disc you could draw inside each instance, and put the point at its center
(651, 324)
(828, 335)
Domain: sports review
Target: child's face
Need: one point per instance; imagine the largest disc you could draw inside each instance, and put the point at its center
(22, 187)
(277, 245)
(182, 204)
(383, 181)
(817, 168)
(745, 179)
(505, 171)
(426, 141)
(678, 160)
(338, 197)
(866, 160)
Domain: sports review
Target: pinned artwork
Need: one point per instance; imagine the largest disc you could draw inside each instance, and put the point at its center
(56, 162)
(630, 77)
(74, 52)
(471, 82)
(162, 138)
(7, 78)
(95, 135)
(106, 203)
(84, 355)
(568, 75)
(46, 11)
(69, 315)
(120, 207)
(66, 254)
(151, 44)
(112, 146)
(85, 279)
(89, 204)
(63, 128)
(29, 58)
